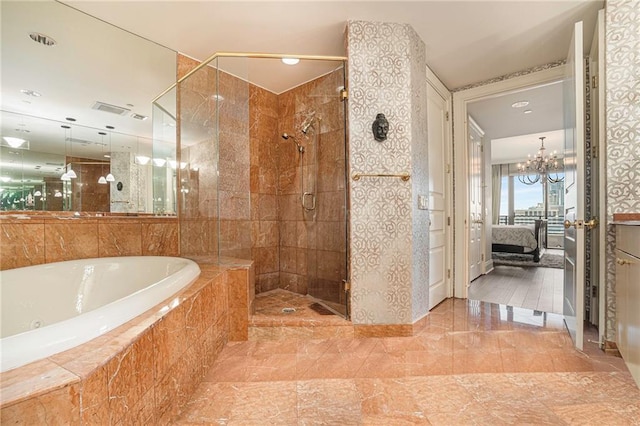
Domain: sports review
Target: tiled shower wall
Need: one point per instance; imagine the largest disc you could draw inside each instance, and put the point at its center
(622, 39)
(389, 237)
(265, 230)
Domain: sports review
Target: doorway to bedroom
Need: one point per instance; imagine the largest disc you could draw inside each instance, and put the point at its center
(523, 208)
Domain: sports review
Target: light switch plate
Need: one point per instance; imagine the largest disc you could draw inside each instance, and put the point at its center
(423, 202)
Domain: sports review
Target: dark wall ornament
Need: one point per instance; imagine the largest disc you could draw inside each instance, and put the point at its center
(380, 128)
(119, 186)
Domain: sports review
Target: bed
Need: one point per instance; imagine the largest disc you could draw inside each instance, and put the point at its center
(522, 239)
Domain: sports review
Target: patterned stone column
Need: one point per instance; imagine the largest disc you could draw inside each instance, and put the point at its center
(622, 69)
(389, 235)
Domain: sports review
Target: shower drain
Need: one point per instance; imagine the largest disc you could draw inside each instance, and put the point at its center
(288, 310)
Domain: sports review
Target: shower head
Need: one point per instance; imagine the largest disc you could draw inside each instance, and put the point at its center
(307, 126)
(308, 122)
(286, 136)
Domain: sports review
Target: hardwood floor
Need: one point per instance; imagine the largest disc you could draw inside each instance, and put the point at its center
(539, 289)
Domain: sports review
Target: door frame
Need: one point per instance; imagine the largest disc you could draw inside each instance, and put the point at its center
(461, 167)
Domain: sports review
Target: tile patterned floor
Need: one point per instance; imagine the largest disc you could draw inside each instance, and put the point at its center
(529, 288)
(475, 363)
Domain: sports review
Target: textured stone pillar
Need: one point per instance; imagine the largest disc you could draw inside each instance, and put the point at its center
(622, 69)
(389, 234)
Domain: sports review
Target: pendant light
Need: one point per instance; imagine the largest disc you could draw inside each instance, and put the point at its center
(102, 180)
(110, 177)
(65, 176)
(70, 173)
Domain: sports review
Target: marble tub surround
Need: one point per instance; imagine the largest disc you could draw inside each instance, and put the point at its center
(474, 363)
(42, 238)
(140, 373)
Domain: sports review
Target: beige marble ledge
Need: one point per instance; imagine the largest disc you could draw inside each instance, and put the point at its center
(33, 379)
(232, 263)
(625, 217)
(16, 217)
(626, 222)
(68, 367)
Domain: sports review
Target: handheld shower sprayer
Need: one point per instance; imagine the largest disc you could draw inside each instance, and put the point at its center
(286, 136)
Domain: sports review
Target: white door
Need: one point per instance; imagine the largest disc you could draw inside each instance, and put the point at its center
(475, 200)
(574, 158)
(437, 110)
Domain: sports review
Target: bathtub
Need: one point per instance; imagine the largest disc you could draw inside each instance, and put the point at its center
(47, 309)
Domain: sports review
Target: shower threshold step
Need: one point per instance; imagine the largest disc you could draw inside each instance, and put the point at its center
(284, 315)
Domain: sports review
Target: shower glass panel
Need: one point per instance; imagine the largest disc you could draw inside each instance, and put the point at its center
(164, 148)
(198, 164)
(311, 189)
(234, 196)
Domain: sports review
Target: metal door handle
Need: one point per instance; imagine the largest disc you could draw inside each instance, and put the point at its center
(592, 223)
(623, 262)
(578, 224)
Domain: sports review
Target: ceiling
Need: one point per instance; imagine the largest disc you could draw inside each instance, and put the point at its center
(513, 132)
(466, 41)
(95, 60)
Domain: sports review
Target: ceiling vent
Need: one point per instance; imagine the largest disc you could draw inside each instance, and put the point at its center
(42, 39)
(81, 141)
(113, 109)
(139, 116)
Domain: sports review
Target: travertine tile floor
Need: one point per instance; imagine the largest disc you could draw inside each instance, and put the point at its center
(475, 363)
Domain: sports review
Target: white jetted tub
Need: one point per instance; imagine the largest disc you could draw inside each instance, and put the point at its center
(47, 309)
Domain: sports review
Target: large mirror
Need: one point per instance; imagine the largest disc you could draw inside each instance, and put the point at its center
(77, 100)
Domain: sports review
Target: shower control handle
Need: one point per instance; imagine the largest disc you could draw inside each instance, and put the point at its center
(304, 201)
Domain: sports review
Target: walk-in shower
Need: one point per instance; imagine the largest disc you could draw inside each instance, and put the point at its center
(262, 170)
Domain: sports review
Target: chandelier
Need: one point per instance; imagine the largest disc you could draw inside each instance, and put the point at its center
(540, 166)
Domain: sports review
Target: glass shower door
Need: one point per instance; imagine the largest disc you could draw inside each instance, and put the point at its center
(326, 221)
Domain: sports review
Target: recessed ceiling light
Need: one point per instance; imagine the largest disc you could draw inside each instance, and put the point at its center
(30, 92)
(527, 111)
(42, 39)
(14, 142)
(519, 104)
(139, 116)
(290, 61)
